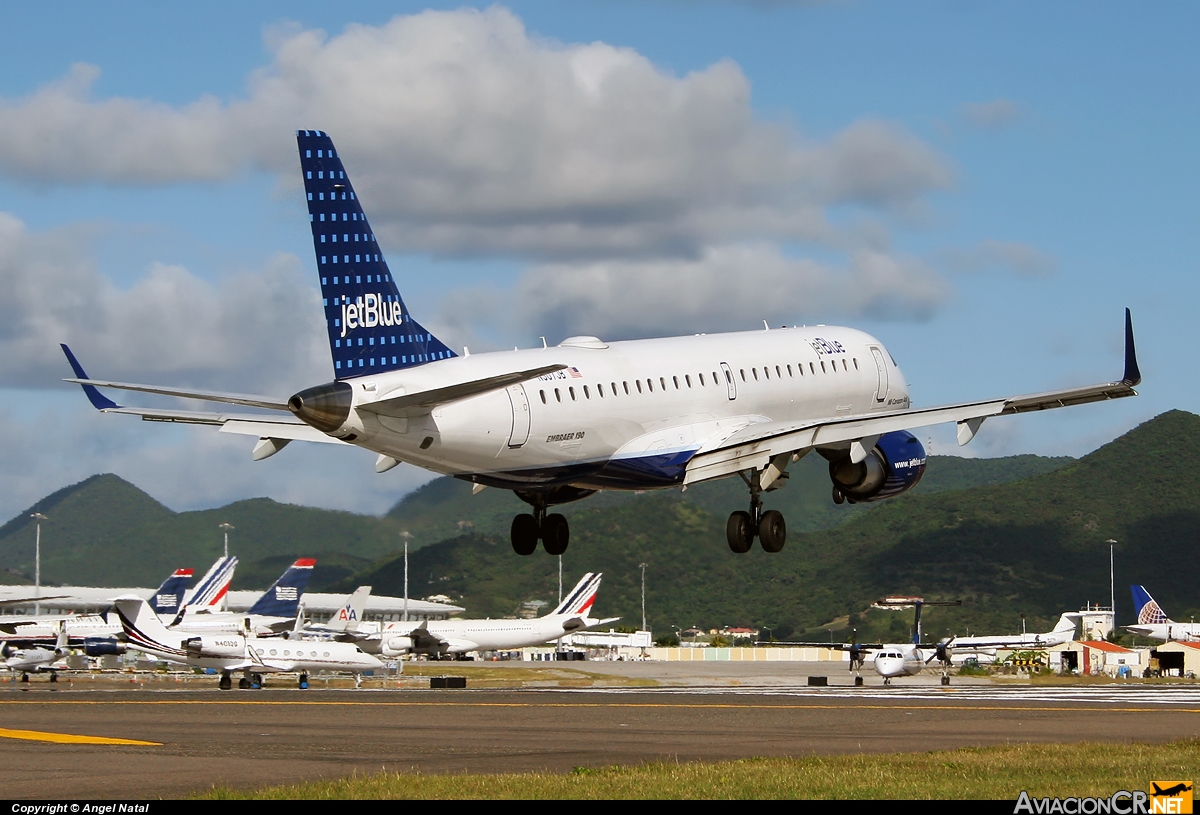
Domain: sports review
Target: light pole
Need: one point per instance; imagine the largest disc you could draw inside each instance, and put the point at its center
(406, 535)
(37, 563)
(643, 565)
(225, 527)
(1112, 586)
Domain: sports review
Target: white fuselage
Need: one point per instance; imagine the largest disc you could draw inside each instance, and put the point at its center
(1169, 630)
(899, 660)
(462, 636)
(230, 652)
(624, 415)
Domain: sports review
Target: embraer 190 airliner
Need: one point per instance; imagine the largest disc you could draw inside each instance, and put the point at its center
(556, 424)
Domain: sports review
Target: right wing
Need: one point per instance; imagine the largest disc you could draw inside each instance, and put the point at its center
(756, 445)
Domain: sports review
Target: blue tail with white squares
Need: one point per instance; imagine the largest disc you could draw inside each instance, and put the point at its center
(370, 329)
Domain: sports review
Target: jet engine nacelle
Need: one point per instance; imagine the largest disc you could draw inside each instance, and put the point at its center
(216, 645)
(103, 646)
(894, 465)
(395, 646)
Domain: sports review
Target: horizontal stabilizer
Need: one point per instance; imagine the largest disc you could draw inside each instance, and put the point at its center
(246, 400)
(420, 402)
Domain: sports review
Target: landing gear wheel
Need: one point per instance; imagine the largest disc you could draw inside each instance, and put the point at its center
(739, 531)
(244, 683)
(772, 531)
(226, 682)
(555, 534)
(303, 683)
(524, 534)
(256, 681)
(53, 677)
(25, 678)
(945, 680)
(838, 496)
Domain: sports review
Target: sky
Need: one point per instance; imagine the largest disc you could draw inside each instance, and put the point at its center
(984, 187)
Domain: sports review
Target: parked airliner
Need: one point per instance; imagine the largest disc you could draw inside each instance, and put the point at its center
(442, 637)
(556, 424)
(1152, 621)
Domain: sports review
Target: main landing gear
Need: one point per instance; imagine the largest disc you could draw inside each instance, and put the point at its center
(528, 529)
(743, 527)
(551, 530)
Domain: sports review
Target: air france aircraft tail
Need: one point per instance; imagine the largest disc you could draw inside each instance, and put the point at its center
(211, 590)
(283, 598)
(1148, 611)
(169, 597)
(579, 600)
(370, 330)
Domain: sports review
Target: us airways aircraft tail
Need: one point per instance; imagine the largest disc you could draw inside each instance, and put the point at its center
(556, 424)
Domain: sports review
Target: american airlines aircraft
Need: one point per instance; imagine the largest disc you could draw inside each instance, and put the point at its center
(556, 424)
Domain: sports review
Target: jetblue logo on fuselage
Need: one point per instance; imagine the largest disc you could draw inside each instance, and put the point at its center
(369, 311)
(824, 346)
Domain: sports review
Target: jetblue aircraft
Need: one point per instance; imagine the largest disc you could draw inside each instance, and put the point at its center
(556, 424)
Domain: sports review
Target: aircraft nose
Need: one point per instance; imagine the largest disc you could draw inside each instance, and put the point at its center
(324, 407)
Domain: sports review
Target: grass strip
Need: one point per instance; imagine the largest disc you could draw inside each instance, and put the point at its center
(1050, 770)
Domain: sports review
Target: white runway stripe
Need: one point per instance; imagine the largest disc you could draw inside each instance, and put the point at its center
(1116, 695)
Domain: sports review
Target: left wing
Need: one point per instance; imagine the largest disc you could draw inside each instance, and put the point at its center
(754, 446)
(276, 431)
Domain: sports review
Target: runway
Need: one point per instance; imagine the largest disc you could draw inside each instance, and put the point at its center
(248, 739)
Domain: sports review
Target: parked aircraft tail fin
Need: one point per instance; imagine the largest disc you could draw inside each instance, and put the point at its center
(283, 598)
(350, 615)
(1148, 611)
(169, 597)
(143, 629)
(210, 592)
(370, 329)
(580, 599)
(1067, 622)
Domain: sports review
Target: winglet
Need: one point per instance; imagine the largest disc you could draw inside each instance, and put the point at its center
(1133, 376)
(99, 401)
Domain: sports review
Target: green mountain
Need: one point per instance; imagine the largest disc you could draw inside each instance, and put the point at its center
(1033, 546)
(106, 531)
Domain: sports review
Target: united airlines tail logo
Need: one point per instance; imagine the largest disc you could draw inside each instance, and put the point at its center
(1151, 614)
(369, 311)
(286, 593)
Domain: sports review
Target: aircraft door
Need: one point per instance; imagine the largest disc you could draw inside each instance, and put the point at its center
(881, 389)
(729, 382)
(520, 416)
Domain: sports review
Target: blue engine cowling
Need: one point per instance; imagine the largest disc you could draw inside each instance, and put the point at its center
(103, 646)
(893, 466)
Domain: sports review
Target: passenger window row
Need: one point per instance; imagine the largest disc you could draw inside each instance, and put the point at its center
(586, 393)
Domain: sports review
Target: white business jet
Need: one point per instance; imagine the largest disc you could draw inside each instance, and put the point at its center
(39, 658)
(231, 651)
(556, 424)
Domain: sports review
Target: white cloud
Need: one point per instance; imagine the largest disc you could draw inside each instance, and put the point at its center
(991, 255)
(727, 288)
(994, 115)
(464, 134)
(256, 331)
